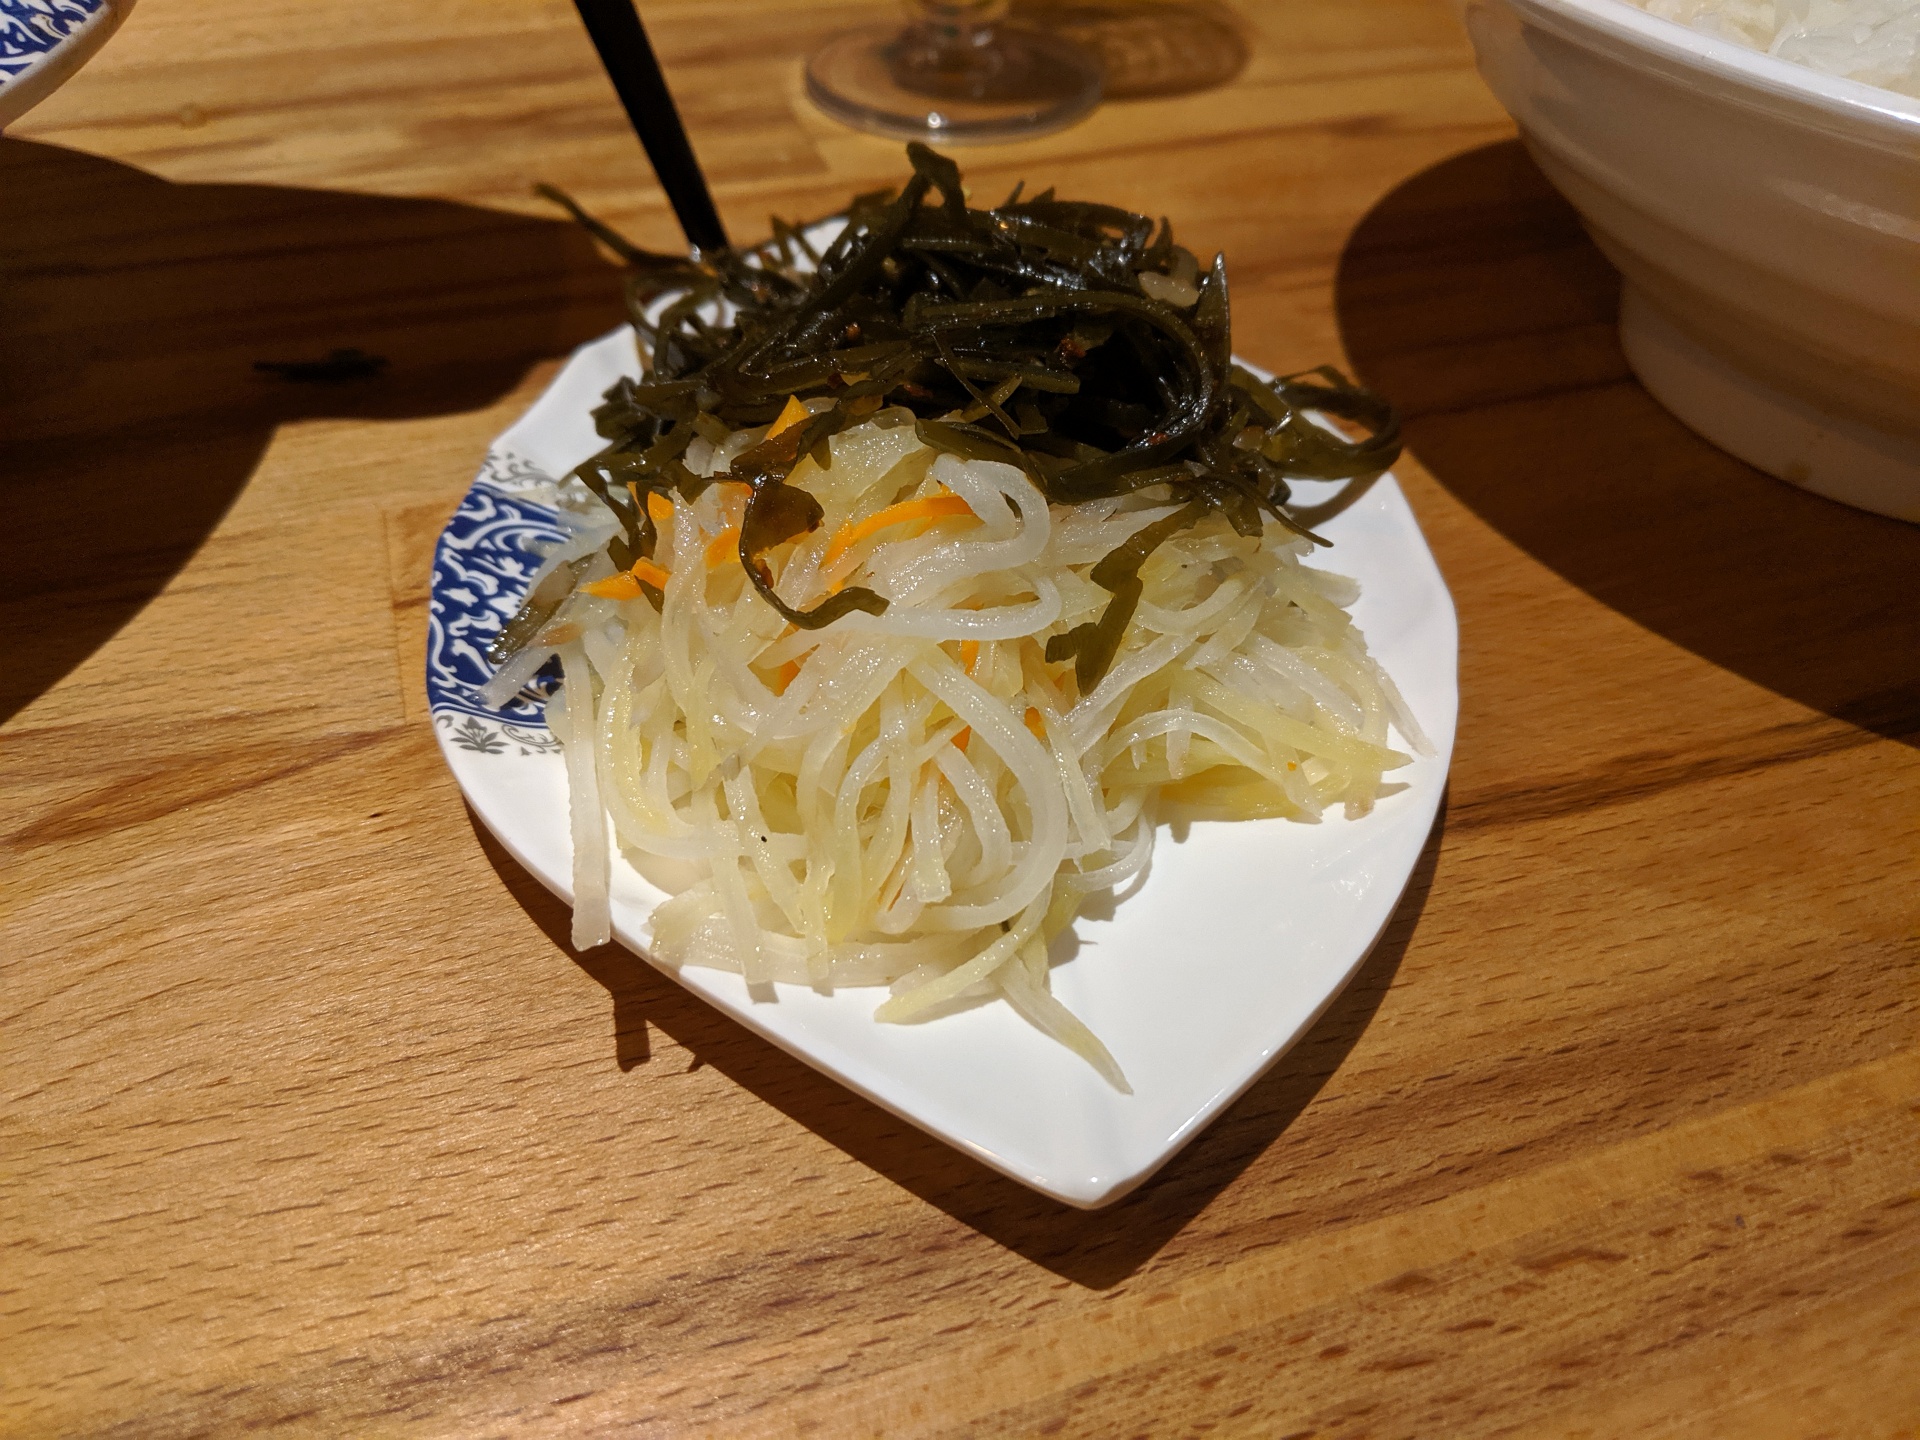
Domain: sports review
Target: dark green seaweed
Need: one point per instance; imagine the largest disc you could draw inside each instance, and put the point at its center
(536, 610)
(1020, 334)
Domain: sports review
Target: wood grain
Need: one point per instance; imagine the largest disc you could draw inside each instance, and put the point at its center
(314, 1125)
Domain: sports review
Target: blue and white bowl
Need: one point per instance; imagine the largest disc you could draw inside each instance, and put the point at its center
(42, 42)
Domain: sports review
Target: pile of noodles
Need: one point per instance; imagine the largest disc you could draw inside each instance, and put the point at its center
(918, 798)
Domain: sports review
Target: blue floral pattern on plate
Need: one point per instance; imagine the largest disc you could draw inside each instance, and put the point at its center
(482, 565)
(31, 29)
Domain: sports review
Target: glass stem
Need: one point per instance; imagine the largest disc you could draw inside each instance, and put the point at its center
(958, 24)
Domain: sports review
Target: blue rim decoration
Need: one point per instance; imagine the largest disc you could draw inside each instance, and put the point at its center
(482, 565)
(31, 30)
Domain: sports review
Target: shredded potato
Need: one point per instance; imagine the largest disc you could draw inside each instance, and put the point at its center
(918, 798)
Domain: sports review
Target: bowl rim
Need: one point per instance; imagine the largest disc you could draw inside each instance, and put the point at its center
(1854, 100)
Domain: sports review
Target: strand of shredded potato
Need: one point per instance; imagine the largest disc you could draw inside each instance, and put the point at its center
(917, 799)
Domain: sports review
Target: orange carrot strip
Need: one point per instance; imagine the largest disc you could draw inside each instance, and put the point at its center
(725, 546)
(934, 507)
(969, 656)
(1035, 723)
(659, 507)
(651, 573)
(626, 585)
(966, 734)
(794, 414)
(786, 675)
(615, 587)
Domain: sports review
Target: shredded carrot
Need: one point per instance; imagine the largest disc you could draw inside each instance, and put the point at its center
(966, 734)
(659, 507)
(1035, 723)
(934, 507)
(785, 676)
(725, 546)
(969, 656)
(615, 587)
(626, 585)
(794, 414)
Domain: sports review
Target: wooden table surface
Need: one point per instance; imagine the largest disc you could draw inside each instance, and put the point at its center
(313, 1123)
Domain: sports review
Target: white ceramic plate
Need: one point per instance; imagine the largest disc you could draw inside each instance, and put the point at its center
(1236, 940)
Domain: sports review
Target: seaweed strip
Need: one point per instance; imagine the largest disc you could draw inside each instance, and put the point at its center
(1029, 316)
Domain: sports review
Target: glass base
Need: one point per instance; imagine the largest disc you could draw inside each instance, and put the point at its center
(917, 83)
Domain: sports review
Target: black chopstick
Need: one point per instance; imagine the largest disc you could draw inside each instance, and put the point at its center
(616, 31)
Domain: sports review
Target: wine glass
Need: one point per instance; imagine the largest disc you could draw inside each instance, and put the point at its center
(956, 72)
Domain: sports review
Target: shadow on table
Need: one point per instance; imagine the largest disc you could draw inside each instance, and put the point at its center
(1148, 49)
(1472, 299)
(1096, 1249)
(134, 310)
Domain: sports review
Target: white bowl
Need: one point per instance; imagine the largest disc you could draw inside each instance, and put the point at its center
(1766, 219)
